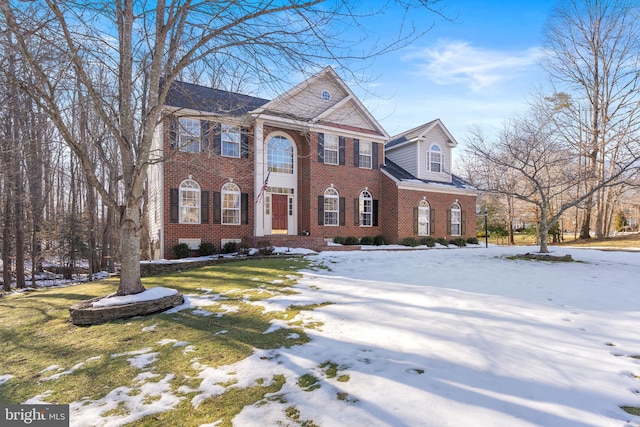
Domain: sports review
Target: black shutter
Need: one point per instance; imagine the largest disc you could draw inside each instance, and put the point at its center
(342, 210)
(374, 214)
(244, 208)
(320, 210)
(244, 143)
(341, 149)
(173, 132)
(217, 212)
(448, 222)
(204, 136)
(321, 150)
(204, 207)
(356, 152)
(432, 222)
(415, 220)
(217, 139)
(356, 211)
(173, 204)
(463, 223)
(374, 156)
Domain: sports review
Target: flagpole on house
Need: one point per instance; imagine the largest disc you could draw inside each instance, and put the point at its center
(264, 187)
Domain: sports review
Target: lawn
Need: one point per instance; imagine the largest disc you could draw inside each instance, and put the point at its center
(44, 357)
(437, 337)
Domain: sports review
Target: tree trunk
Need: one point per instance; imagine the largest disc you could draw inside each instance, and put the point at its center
(544, 236)
(586, 222)
(6, 246)
(130, 237)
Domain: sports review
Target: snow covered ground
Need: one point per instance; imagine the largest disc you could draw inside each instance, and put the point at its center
(442, 337)
(464, 337)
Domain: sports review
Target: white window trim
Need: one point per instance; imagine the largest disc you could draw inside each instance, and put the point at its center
(433, 151)
(227, 190)
(188, 141)
(365, 158)
(456, 212)
(194, 244)
(331, 149)
(190, 186)
(225, 131)
(290, 162)
(365, 196)
(331, 193)
(424, 211)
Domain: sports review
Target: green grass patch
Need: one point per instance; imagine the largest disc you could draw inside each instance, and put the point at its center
(47, 355)
(631, 410)
(308, 382)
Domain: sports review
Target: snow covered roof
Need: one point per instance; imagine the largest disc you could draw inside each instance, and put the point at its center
(401, 174)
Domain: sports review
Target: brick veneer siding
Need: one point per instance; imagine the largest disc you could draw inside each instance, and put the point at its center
(402, 202)
(211, 171)
(348, 179)
(395, 207)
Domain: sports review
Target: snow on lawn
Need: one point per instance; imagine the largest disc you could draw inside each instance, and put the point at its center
(440, 338)
(146, 295)
(462, 337)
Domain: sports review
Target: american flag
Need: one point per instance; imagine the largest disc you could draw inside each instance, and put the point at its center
(264, 187)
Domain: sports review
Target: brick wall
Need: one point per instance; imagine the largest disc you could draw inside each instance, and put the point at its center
(211, 171)
(348, 179)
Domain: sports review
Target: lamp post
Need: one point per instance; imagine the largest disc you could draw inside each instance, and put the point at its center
(486, 229)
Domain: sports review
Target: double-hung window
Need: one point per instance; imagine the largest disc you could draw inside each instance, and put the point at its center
(230, 139)
(366, 209)
(456, 220)
(331, 147)
(189, 202)
(331, 207)
(435, 159)
(230, 204)
(364, 154)
(189, 135)
(424, 228)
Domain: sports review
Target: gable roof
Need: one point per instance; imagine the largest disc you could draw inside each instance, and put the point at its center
(401, 175)
(201, 98)
(419, 132)
(343, 110)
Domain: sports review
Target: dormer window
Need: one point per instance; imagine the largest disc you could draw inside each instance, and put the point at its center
(434, 159)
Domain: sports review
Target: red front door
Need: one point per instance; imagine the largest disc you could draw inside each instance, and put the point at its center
(279, 213)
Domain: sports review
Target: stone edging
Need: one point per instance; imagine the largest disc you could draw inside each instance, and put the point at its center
(83, 313)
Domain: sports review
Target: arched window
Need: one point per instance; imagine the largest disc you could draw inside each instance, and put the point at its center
(434, 159)
(189, 202)
(230, 204)
(280, 155)
(424, 218)
(365, 208)
(456, 219)
(331, 206)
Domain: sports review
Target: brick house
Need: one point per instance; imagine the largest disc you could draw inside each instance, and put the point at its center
(298, 170)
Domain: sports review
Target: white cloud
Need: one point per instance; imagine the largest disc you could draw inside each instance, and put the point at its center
(458, 62)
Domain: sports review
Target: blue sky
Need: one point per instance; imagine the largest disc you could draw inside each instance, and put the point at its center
(479, 69)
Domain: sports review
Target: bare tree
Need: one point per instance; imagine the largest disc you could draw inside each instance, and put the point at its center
(594, 56)
(150, 45)
(532, 162)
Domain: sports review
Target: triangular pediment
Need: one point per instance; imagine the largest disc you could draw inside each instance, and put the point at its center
(421, 132)
(323, 100)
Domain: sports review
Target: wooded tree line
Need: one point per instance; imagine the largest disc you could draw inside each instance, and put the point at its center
(47, 208)
(577, 147)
